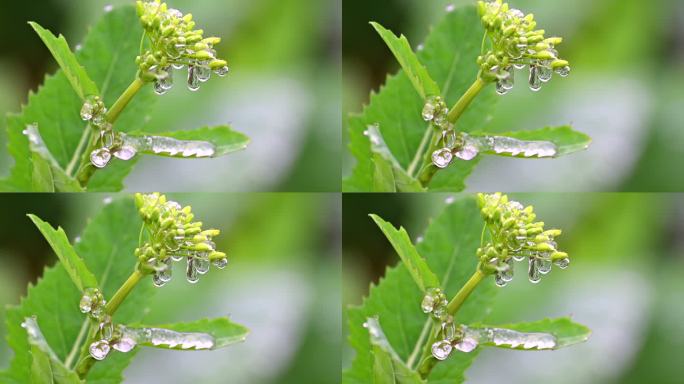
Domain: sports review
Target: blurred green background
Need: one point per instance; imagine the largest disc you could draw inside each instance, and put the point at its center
(626, 90)
(624, 282)
(283, 90)
(282, 281)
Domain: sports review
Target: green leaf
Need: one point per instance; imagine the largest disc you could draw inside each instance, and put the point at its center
(564, 329)
(42, 180)
(564, 137)
(48, 176)
(108, 53)
(413, 68)
(107, 247)
(388, 175)
(76, 74)
(224, 139)
(223, 330)
(449, 55)
(449, 247)
(387, 366)
(45, 366)
(416, 265)
(74, 265)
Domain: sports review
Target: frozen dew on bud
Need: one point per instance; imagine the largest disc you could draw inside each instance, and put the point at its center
(100, 157)
(545, 72)
(563, 71)
(221, 263)
(441, 158)
(533, 271)
(191, 272)
(222, 71)
(202, 265)
(562, 263)
(544, 265)
(193, 80)
(99, 349)
(535, 81)
(203, 73)
(441, 349)
(428, 303)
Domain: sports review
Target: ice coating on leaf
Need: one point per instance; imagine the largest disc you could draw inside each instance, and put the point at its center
(30, 324)
(166, 338)
(37, 145)
(509, 145)
(168, 146)
(510, 338)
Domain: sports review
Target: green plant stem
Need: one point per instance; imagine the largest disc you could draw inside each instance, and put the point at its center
(86, 170)
(458, 300)
(123, 292)
(428, 362)
(428, 170)
(85, 361)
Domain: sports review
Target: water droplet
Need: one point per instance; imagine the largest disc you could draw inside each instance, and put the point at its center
(78, 47)
(533, 272)
(106, 327)
(507, 274)
(86, 303)
(508, 82)
(126, 152)
(87, 111)
(449, 138)
(100, 157)
(125, 343)
(519, 65)
(159, 89)
(429, 110)
(202, 265)
(467, 344)
(428, 303)
(420, 47)
(450, 8)
(221, 263)
(470, 149)
(157, 280)
(500, 282)
(500, 89)
(203, 73)
(193, 81)
(562, 263)
(545, 73)
(441, 349)
(535, 83)
(544, 266)
(563, 71)
(222, 72)
(191, 272)
(442, 157)
(449, 330)
(99, 349)
(108, 8)
(168, 146)
(450, 200)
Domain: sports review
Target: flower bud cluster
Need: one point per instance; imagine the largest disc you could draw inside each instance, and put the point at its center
(515, 236)
(173, 236)
(516, 43)
(175, 44)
